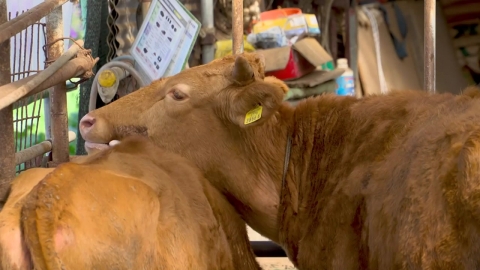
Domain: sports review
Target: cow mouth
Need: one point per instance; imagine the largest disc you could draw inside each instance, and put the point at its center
(92, 147)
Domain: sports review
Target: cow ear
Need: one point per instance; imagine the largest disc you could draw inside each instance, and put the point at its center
(256, 103)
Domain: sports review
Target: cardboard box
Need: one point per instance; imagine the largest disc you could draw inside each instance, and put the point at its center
(315, 78)
(313, 84)
(292, 62)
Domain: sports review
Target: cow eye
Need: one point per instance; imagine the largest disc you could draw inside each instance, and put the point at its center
(178, 95)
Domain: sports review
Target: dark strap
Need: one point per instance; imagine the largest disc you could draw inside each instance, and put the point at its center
(400, 47)
(288, 150)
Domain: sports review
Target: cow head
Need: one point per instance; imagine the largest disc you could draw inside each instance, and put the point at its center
(200, 114)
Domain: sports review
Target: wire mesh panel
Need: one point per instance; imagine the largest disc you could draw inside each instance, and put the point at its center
(26, 48)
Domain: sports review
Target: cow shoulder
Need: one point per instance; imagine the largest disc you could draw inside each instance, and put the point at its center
(12, 249)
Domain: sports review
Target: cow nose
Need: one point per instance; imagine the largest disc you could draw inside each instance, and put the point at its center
(86, 124)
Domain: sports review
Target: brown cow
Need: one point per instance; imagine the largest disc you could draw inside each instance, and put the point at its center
(383, 182)
(132, 206)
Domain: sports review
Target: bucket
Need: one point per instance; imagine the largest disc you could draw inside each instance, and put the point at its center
(279, 13)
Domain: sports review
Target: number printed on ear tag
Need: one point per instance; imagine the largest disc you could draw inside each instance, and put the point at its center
(253, 115)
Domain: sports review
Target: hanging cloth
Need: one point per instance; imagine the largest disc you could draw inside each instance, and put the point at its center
(399, 45)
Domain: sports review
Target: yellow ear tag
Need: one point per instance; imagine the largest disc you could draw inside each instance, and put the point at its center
(253, 115)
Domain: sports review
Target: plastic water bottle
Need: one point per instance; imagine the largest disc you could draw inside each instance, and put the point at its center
(345, 82)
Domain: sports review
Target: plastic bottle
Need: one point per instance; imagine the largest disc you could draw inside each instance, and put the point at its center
(345, 82)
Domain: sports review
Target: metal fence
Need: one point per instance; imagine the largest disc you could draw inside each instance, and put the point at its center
(24, 82)
(26, 115)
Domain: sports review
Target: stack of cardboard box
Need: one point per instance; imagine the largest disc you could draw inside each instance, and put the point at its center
(292, 53)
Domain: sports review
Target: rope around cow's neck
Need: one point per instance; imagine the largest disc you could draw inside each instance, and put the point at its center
(287, 161)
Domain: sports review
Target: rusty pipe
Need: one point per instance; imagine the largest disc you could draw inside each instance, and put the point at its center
(58, 93)
(237, 26)
(38, 149)
(9, 96)
(33, 15)
(33, 152)
(429, 48)
(77, 67)
(7, 151)
(208, 50)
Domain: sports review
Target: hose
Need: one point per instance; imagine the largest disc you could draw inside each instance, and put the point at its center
(116, 62)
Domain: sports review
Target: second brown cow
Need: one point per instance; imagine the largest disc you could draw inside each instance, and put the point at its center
(133, 206)
(383, 182)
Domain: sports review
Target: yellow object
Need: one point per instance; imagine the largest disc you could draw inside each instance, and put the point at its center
(292, 25)
(107, 78)
(253, 115)
(224, 47)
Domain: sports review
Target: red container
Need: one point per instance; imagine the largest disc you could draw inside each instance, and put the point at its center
(298, 60)
(297, 66)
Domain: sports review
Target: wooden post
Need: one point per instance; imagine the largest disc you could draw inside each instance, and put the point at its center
(429, 62)
(58, 95)
(237, 26)
(7, 150)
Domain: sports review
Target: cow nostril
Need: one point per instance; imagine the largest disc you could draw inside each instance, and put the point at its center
(87, 123)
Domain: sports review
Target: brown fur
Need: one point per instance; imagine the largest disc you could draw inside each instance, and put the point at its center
(132, 206)
(384, 182)
(472, 91)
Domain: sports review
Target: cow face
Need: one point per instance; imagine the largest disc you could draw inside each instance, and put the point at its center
(198, 107)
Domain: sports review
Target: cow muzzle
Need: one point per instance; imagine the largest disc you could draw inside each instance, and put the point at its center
(97, 133)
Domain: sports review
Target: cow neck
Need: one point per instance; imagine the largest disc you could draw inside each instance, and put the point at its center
(271, 172)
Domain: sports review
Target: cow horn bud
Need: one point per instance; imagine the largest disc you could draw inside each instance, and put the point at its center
(242, 71)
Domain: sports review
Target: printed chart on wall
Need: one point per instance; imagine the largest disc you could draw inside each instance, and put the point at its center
(165, 39)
